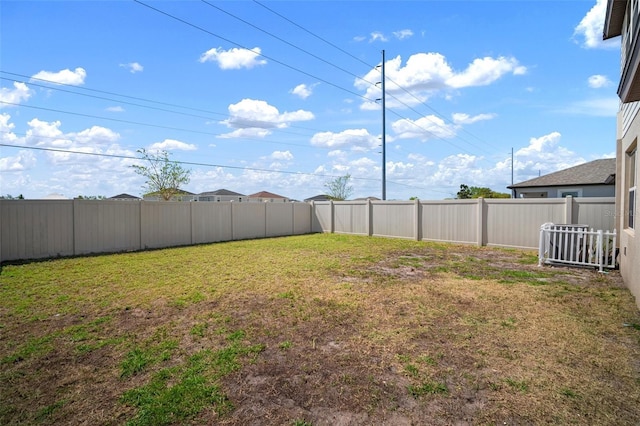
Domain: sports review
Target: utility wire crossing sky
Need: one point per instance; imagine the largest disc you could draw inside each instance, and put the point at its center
(284, 96)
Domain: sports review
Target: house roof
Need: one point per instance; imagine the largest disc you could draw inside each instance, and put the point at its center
(597, 172)
(321, 197)
(124, 196)
(265, 194)
(221, 192)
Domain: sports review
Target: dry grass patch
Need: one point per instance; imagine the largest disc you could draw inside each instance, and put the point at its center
(318, 329)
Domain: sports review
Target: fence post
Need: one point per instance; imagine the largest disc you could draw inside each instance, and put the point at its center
(332, 228)
(369, 219)
(416, 220)
(480, 224)
(568, 210)
(541, 245)
(599, 250)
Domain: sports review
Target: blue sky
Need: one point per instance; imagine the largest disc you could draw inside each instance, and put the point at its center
(281, 96)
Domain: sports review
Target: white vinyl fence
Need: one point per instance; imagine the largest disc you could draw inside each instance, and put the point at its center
(577, 245)
(484, 222)
(36, 229)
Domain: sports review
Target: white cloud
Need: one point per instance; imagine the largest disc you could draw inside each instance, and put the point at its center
(18, 94)
(377, 36)
(599, 107)
(461, 118)
(6, 131)
(234, 58)
(359, 38)
(303, 90)
(356, 139)
(591, 27)
(95, 134)
(282, 155)
(172, 144)
(424, 74)
(115, 109)
(544, 155)
(25, 160)
(424, 128)
(133, 67)
(432, 126)
(402, 34)
(66, 76)
(260, 116)
(484, 71)
(597, 81)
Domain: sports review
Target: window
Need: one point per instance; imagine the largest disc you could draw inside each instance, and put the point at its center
(566, 194)
(632, 182)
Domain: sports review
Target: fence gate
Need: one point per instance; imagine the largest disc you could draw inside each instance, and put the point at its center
(577, 245)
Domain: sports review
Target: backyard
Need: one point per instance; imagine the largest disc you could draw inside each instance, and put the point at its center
(319, 329)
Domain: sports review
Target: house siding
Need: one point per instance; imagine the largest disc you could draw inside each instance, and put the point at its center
(585, 191)
(629, 238)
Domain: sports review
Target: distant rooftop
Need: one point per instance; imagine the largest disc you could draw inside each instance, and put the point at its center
(220, 192)
(597, 172)
(265, 194)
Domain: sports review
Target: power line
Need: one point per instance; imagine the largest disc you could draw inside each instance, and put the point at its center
(189, 163)
(389, 79)
(140, 99)
(151, 125)
(246, 48)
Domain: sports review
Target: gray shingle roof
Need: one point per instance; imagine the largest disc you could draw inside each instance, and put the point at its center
(597, 172)
(221, 192)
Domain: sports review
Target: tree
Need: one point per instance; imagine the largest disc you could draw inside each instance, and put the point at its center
(164, 176)
(477, 192)
(464, 192)
(11, 197)
(339, 188)
(91, 197)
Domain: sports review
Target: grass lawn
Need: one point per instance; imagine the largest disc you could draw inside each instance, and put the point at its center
(316, 330)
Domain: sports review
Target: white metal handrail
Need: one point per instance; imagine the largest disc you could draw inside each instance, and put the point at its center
(577, 245)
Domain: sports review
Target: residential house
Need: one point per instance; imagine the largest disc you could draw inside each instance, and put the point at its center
(593, 179)
(267, 197)
(221, 195)
(623, 19)
(321, 197)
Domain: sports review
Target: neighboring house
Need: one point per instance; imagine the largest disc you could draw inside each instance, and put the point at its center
(267, 197)
(593, 179)
(124, 197)
(321, 197)
(623, 19)
(181, 195)
(221, 195)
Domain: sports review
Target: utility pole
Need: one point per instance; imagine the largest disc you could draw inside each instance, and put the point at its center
(384, 136)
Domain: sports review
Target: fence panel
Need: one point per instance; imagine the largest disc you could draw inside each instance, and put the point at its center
(449, 220)
(516, 223)
(35, 229)
(321, 218)
(165, 224)
(302, 222)
(279, 219)
(249, 221)
(350, 217)
(598, 212)
(211, 222)
(106, 226)
(393, 219)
